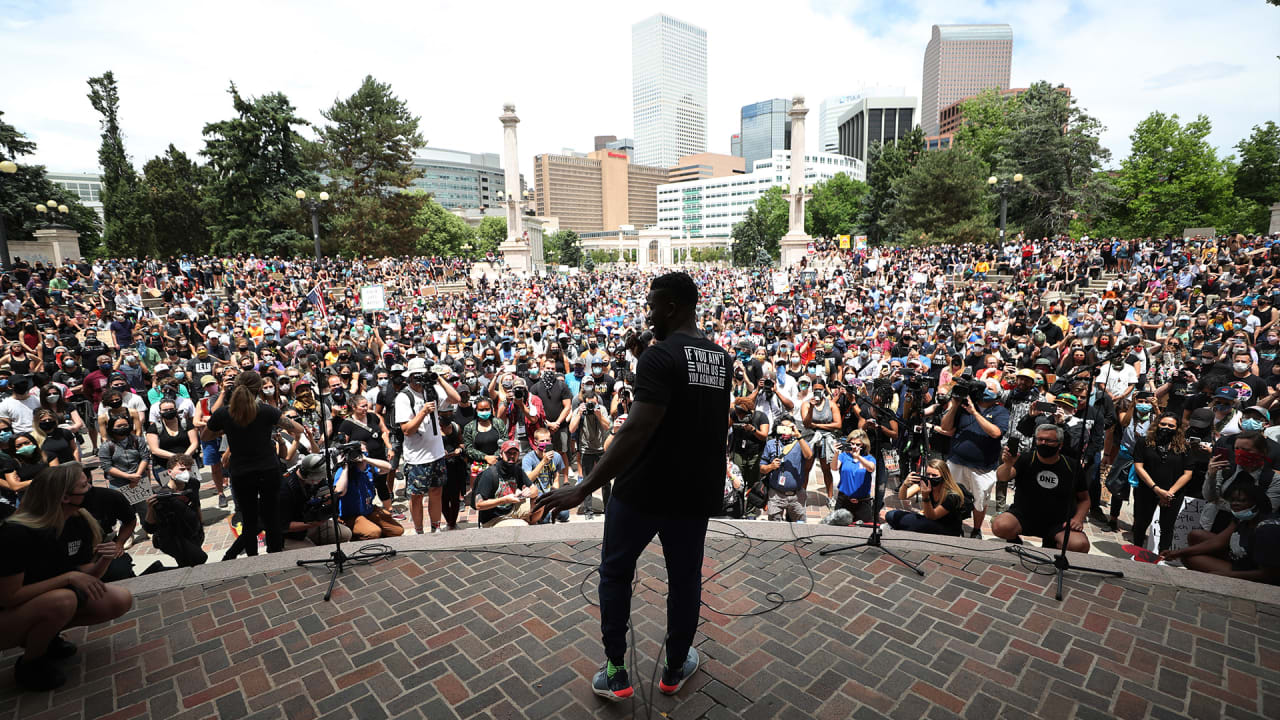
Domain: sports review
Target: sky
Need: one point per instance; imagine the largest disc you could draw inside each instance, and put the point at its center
(567, 64)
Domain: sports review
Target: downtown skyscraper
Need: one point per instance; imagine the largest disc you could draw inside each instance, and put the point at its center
(668, 90)
(961, 61)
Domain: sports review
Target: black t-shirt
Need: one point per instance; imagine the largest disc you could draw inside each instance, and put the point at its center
(370, 435)
(681, 469)
(252, 449)
(952, 521)
(109, 507)
(744, 442)
(552, 396)
(39, 555)
(60, 444)
(1164, 465)
(1047, 491)
(494, 483)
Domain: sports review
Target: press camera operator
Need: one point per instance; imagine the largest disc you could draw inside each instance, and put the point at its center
(173, 513)
(356, 490)
(877, 420)
(306, 506)
(976, 422)
(748, 432)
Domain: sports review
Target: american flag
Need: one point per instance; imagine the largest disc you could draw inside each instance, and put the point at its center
(316, 300)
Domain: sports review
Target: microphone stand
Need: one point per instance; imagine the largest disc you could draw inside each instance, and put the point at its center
(338, 558)
(1060, 561)
(874, 540)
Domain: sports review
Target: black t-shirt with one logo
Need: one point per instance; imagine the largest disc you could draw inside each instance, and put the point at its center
(1047, 491)
(681, 470)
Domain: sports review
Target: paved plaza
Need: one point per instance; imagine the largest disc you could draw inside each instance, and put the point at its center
(459, 625)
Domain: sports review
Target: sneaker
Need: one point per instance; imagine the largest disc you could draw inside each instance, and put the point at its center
(673, 680)
(613, 688)
(398, 515)
(222, 500)
(831, 503)
(976, 534)
(59, 648)
(39, 675)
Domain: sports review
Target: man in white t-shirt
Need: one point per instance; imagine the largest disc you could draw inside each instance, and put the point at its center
(20, 406)
(1118, 379)
(423, 461)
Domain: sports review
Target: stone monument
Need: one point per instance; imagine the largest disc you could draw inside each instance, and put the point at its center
(1275, 219)
(52, 245)
(516, 250)
(795, 243)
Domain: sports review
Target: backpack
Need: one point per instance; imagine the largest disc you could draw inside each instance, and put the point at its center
(966, 506)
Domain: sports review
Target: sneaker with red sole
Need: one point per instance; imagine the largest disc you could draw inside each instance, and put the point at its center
(613, 688)
(673, 680)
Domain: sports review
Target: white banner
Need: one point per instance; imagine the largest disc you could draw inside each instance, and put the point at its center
(373, 298)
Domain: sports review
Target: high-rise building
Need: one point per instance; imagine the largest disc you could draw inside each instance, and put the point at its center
(668, 90)
(960, 61)
(87, 187)
(705, 165)
(832, 108)
(735, 145)
(459, 179)
(765, 127)
(603, 140)
(709, 208)
(874, 119)
(599, 192)
(626, 145)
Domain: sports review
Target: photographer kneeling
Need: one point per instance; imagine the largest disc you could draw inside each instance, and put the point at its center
(1044, 481)
(940, 498)
(354, 485)
(49, 575)
(173, 513)
(504, 491)
(306, 506)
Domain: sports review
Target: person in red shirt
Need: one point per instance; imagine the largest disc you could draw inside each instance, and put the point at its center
(94, 383)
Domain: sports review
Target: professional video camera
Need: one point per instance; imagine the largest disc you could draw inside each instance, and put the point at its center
(319, 504)
(345, 452)
(966, 387)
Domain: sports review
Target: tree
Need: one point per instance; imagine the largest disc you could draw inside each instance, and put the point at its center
(1056, 147)
(886, 164)
(835, 207)
(173, 183)
(600, 257)
(570, 248)
(440, 232)
(129, 229)
(1257, 180)
(988, 123)
(366, 150)
(491, 233)
(1173, 179)
(28, 187)
(761, 228)
(944, 199)
(255, 162)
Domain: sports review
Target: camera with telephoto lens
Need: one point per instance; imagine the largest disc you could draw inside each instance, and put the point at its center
(968, 388)
(918, 381)
(347, 452)
(319, 503)
(429, 377)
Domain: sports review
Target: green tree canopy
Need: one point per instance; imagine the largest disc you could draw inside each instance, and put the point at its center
(989, 119)
(367, 152)
(129, 230)
(491, 233)
(944, 199)
(835, 207)
(886, 164)
(761, 229)
(1258, 178)
(28, 187)
(440, 232)
(255, 161)
(173, 183)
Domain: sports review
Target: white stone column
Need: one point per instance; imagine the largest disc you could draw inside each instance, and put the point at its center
(1275, 219)
(795, 242)
(516, 249)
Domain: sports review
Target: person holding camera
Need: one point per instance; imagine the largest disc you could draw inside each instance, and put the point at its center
(425, 468)
(976, 427)
(547, 469)
(590, 424)
(355, 486)
(749, 430)
(940, 502)
(856, 467)
(306, 510)
(785, 466)
(173, 513)
(1049, 494)
(504, 492)
(50, 576)
(821, 415)
(521, 411)
(1162, 469)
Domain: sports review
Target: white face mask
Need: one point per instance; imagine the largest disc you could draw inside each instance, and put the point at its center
(1241, 367)
(268, 391)
(182, 476)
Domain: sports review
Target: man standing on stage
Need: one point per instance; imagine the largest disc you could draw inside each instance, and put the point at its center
(670, 448)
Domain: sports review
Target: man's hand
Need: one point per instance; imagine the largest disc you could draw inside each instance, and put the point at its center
(553, 425)
(1006, 457)
(1077, 525)
(566, 498)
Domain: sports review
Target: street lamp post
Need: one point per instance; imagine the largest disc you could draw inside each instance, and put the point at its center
(313, 207)
(7, 167)
(1004, 187)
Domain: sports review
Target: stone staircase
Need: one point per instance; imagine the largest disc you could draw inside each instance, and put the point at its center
(1095, 286)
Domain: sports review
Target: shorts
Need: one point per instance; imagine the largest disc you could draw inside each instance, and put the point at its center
(211, 453)
(1035, 524)
(421, 479)
(979, 482)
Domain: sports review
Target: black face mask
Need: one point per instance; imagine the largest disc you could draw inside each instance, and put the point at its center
(47, 426)
(115, 403)
(168, 414)
(1164, 436)
(1047, 450)
(119, 431)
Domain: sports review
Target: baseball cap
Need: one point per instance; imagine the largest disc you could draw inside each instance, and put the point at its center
(1201, 418)
(1266, 414)
(161, 367)
(1068, 399)
(509, 445)
(207, 380)
(1026, 373)
(1226, 393)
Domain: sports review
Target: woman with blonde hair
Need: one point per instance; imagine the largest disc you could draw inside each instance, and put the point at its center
(939, 499)
(50, 574)
(254, 466)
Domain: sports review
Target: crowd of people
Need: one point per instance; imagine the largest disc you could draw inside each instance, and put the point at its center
(917, 386)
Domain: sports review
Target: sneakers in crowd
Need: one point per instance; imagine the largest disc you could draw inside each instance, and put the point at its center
(831, 503)
(612, 683)
(59, 648)
(674, 679)
(222, 500)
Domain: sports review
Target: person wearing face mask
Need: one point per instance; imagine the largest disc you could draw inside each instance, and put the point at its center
(57, 444)
(1248, 463)
(557, 401)
(546, 469)
(1134, 421)
(416, 410)
(504, 491)
(1162, 469)
(19, 406)
(169, 436)
(125, 460)
(977, 428)
(820, 414)
(173, 513)
(50, 576)
(1050, 494)
(1247, 548)
(784, 466)
(1249, 386)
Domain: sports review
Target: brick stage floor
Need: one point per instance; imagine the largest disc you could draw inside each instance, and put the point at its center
(443, 633)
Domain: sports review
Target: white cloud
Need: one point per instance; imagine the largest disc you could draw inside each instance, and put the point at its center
(569, 68)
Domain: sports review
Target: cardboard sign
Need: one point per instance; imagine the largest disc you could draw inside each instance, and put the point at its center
(137, 494)
(844, 242)
(373, 298)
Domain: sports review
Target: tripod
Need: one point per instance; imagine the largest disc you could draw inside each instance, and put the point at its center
(874, 540)
(337, 557)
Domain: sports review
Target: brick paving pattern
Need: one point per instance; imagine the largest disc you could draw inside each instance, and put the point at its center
(470, 634)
